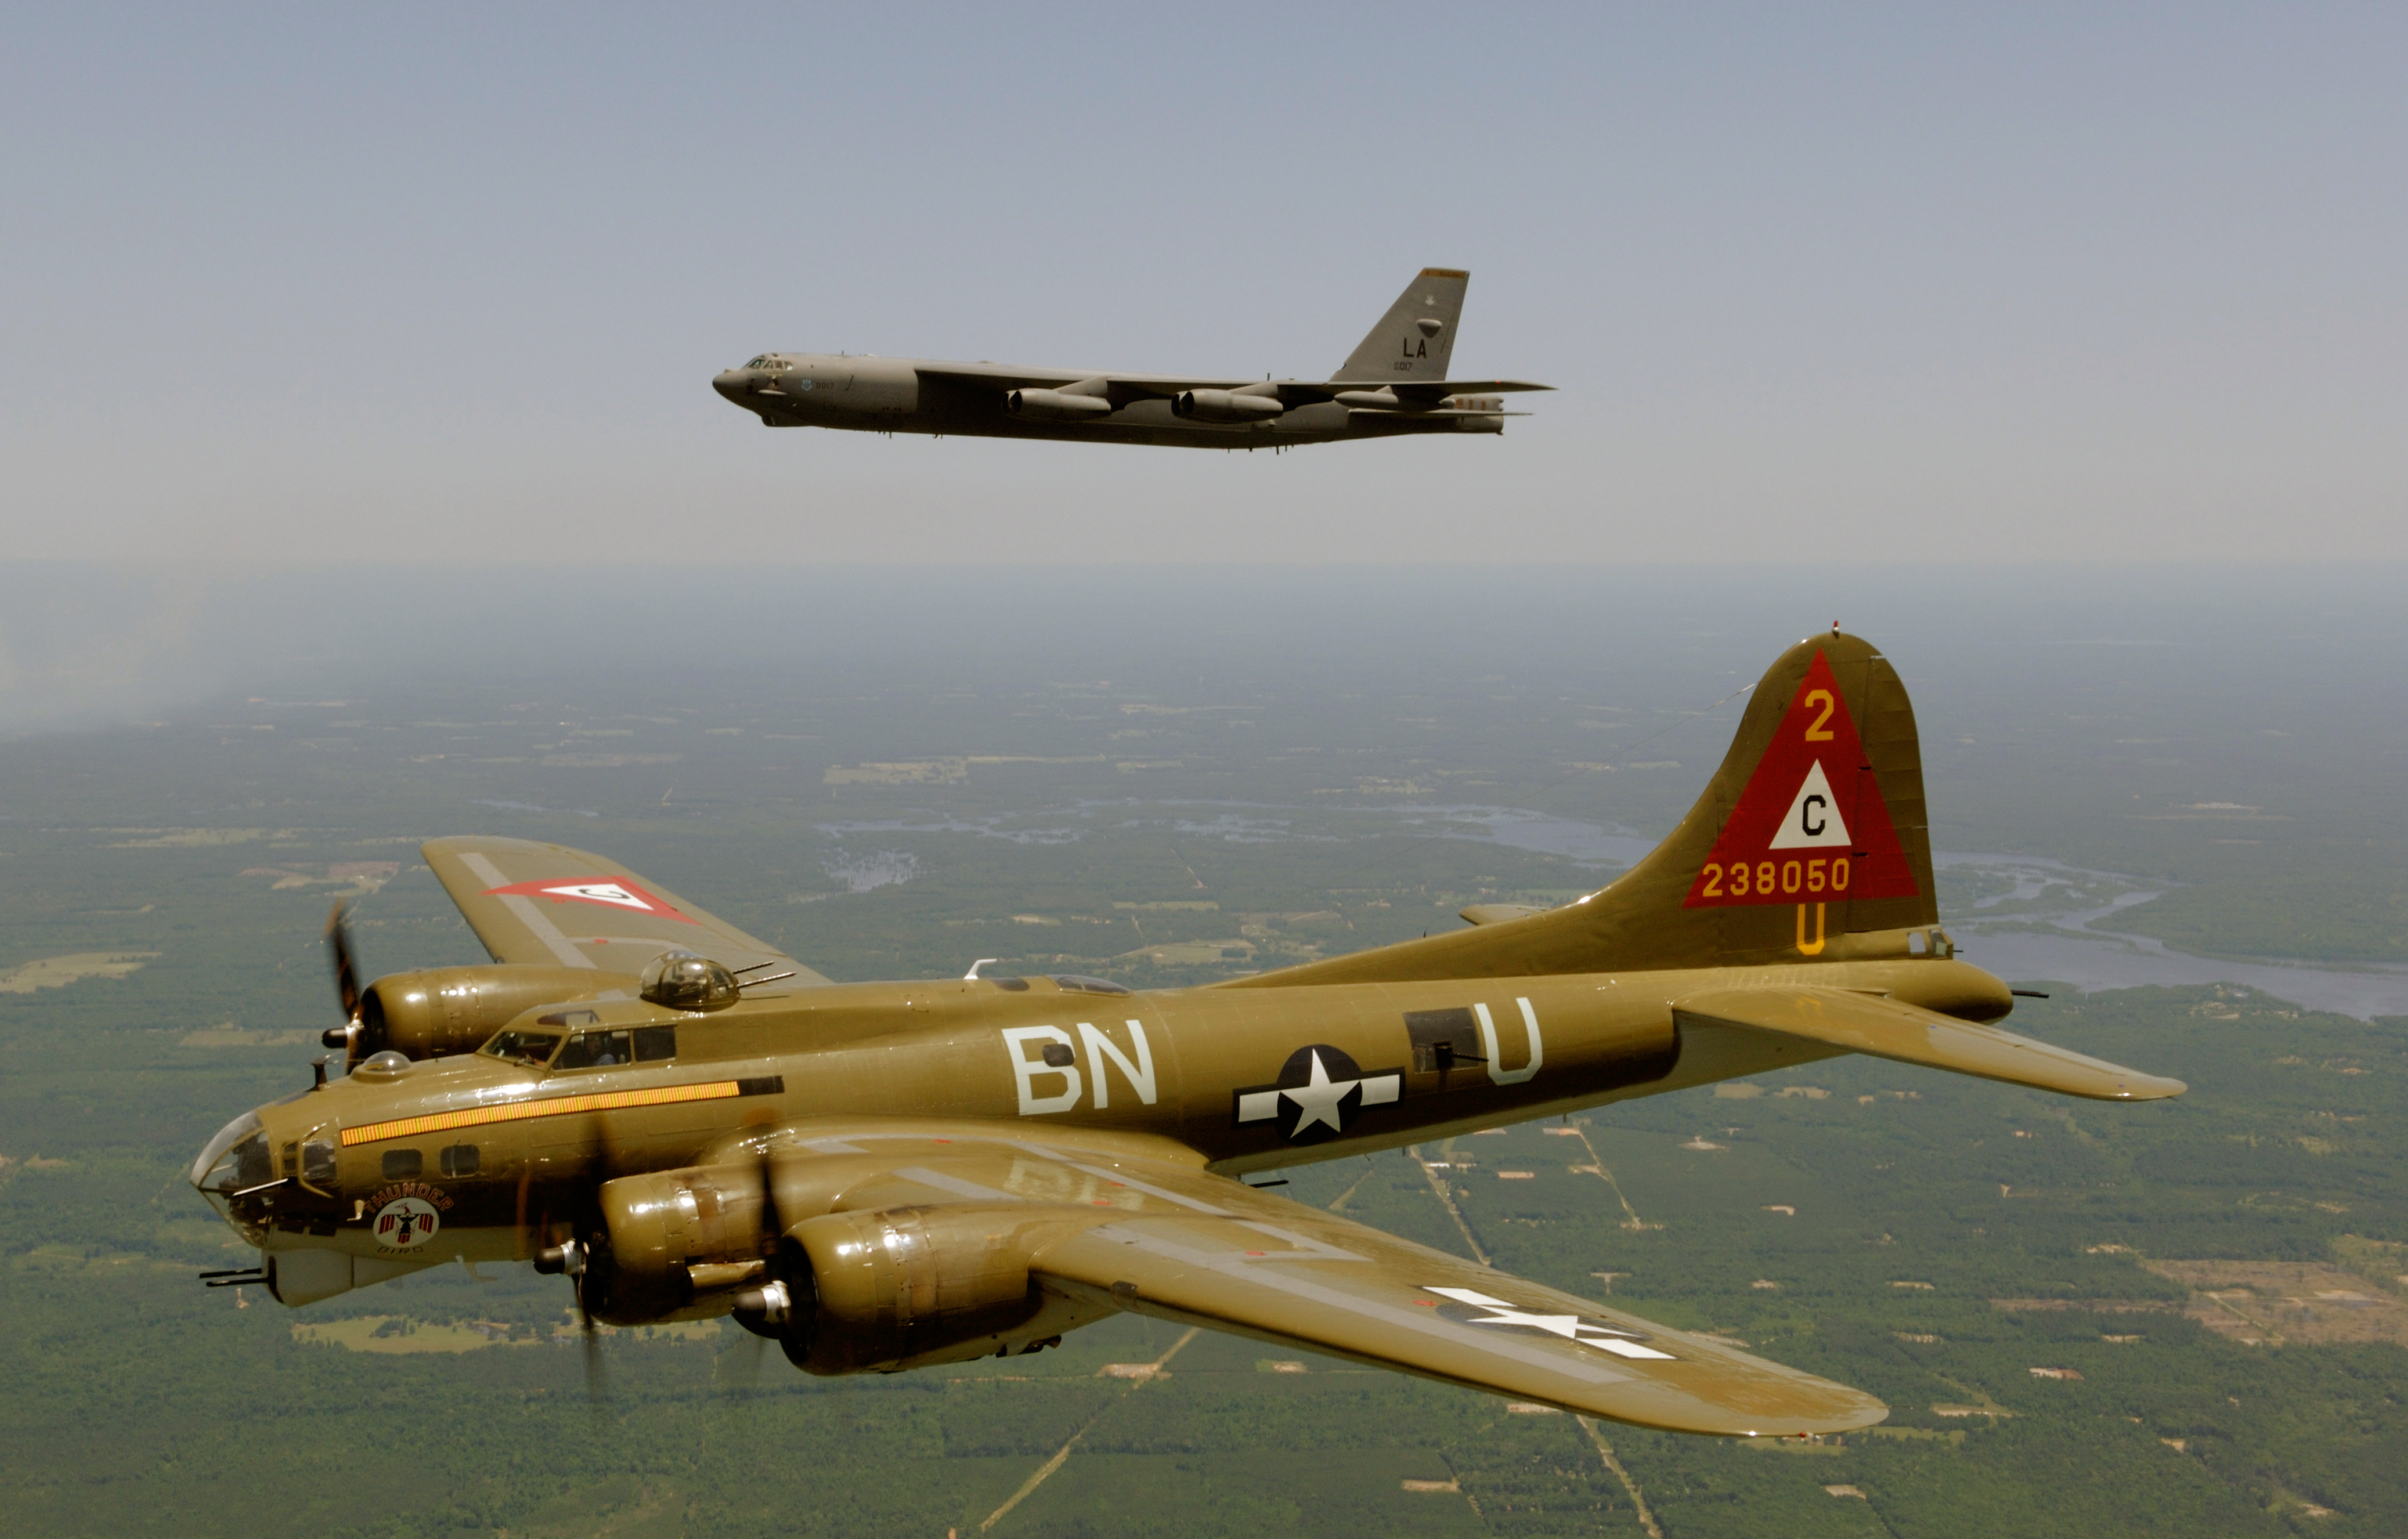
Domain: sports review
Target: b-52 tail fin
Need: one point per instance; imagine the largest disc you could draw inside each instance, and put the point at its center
(1415, 339)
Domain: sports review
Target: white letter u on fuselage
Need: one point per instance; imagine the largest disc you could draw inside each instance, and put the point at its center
(1497, 1073)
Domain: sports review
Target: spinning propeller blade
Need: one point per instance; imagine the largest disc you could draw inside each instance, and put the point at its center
(584, 1259)
(597, 1379)
(346, 971)
(346, 985)
(772, 1309)
(773, 1228)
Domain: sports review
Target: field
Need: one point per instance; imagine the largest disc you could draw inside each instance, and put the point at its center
(2180, 1318)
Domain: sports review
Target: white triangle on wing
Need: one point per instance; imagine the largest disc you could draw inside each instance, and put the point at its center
(609, 893)
(1812, 820)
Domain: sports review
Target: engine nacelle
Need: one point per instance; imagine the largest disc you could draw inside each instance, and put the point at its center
(1224, 405)
(844, 1292)
(912, 1286)
(447, 1010)
(677, 1241)
(1054, 405)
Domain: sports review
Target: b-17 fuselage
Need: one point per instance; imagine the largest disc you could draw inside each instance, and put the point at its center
(886, 1176)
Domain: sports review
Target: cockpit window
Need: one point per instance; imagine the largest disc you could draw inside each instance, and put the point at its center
(760, 363)
(614, 1050)
(597, 1051)
(523, 1046)
(236, 1159)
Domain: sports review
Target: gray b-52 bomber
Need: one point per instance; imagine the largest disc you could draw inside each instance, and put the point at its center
(1395, 383)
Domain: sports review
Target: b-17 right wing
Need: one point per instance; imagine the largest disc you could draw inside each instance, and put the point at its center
(1123, 1221)
(1305, 1278)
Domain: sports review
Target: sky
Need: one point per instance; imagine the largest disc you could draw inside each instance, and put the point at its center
(1824, 286)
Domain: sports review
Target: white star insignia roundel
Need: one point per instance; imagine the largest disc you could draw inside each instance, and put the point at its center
(1321, 1102)
(1605, 1338)
(1316, 1100)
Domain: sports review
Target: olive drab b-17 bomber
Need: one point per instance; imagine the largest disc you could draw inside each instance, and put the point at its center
(879, 1176)
(1395, 383)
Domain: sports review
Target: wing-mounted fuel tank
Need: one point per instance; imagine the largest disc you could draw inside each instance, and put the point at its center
(842, 1292)
(444, 1010)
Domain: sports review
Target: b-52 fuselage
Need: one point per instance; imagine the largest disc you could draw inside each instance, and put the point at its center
(1395, 383)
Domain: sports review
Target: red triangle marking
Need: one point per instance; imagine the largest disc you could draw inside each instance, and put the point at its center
(1748, 866)
(622, 893)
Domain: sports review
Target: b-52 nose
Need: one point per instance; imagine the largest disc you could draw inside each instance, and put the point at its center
(735, 384)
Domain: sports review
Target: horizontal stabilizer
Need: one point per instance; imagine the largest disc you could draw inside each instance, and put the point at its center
(1498, 912)
(1887, 1028)
(1432, 388)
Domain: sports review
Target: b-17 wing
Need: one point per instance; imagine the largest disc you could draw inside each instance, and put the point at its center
(1142, 1228)
(1301, 1277)
(530, 902)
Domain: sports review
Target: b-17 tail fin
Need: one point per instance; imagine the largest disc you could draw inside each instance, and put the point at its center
(1810, 844)
(1415, 339)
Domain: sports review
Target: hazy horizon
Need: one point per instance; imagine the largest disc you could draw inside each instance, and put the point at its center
(88, 643)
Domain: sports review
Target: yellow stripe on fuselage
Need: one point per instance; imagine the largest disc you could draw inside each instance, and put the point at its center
(518, 1111)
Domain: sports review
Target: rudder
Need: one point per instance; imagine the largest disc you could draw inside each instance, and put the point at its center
(1417, 338)
(1819, 802)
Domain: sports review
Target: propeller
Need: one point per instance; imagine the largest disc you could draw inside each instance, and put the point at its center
(771, 1312)
(575, 1260)
(347, 983)
(741, 1365)
(586, 1264)
(597, 1378)
(773, 1227)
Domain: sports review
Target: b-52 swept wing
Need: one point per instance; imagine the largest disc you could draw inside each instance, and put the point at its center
(1396, 382)
(887, 1176)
